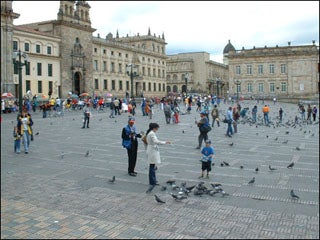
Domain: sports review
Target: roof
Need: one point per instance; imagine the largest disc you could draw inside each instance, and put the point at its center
(228, 48)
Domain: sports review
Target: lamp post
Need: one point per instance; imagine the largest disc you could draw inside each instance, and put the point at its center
(238, 83)
(132, 72)
(186, 78)
(218, 81)
(17, 62)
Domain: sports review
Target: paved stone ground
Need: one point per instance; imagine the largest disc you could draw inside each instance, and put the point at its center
(46, 196)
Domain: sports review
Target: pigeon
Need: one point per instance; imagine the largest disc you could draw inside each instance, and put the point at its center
(12, 122)
(216, 185)
(171, 182)
(163, 188)
(73, 119)
(312, 134)
(297, 148)
(178, 197)
(221, 164)
(293, 195)
(241, 167)
(182, 131)
(190, 188)
(285, 142)
(231, 144)
(225, 163)
(50, 123)
(158, 199)
(276, 139)
(252, 180)
(100, 119)
(212, 164)
(37, 133)
(62, 155)
(257, 170)
(287, 132)
(267, 136)
(113, 179)
(87, 153)
(271, 168)
(290, 165)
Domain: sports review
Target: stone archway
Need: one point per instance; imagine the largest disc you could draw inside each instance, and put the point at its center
(175, 88)
(168, 89)
(77, 83)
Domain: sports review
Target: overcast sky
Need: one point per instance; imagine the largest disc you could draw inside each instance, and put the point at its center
(196, 26)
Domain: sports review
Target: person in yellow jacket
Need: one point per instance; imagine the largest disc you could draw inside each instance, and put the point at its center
(24, 127)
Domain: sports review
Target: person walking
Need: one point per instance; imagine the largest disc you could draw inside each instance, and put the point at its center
(17, 139)
(203, 136)
(314, 112)
(207, 158)
(235, 116)
(153, 154)
(266, 111)
(111, 110)
(254, 111)
(215, 115)
(229, 118)
(176, 112)
(309, 112)
(86, 115)
(280, 114)
(24, 130)
(129, 141)
(167, 112)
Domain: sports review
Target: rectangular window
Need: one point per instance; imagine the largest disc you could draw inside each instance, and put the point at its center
(104, 51)
(39, 86)
(143, 71)
(144, 86)
(159, 73)
(238, 70)
(95, 65)
(39, 69)
(105, 84)
(163, 87)
(260, 69)
(249, 69)
(104, 66)
(260, 87)
(37, 48)
(15, 68)
(271, 68)
(283, 68)
(149, 87)
(27, 67)
(50, 85)
(120, 85)
(28, 85)
(127, 85)
(112, 53)
(163, 74)
(50, 70)
(95, 50)
(15, 46)
(154, 87)
(119, 54)
(26, 47)
(159, 87)
(49, 50)
(120, 68)
(112, 67)
(154, 72)
(249, 88)
(96, 83)
(113, 85)
(149, 72)
(283, 87)
(271, 87)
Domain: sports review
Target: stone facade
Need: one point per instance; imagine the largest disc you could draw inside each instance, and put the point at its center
(282, 72)
(204, 76)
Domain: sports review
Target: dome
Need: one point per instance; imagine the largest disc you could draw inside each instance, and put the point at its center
(228, 48)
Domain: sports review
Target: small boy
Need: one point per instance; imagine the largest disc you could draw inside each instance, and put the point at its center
(207, 158)
(17, 139)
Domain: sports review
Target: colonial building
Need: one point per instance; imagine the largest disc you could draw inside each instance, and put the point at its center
(196, 73)
(65, 56)
(267, 72)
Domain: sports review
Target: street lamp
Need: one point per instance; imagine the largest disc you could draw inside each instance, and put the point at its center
(132, 72)
(19, 64)
(238, 83)
(186, 78)
(218, 81)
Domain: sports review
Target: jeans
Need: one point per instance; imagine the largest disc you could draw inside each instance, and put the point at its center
(266, 118)
(229, 129)
(17, 145)
(152, 174)
(254, 117)
(26, 140)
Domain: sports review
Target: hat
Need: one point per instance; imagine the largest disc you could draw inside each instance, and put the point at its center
(208, 141)
(131, 119)
(203, 113)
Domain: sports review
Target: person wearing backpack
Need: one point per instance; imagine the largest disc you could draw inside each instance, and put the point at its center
(202, 124)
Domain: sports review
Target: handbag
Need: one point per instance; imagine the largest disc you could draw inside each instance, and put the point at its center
(144, 139)
(206, 128)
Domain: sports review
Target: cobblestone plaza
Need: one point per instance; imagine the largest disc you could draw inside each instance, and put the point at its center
(44, 195)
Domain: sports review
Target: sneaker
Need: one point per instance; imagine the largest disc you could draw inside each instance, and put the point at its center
(200, 177)
(150, 189)
(132, 174)
(198, 147)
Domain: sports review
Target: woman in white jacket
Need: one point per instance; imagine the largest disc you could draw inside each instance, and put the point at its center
(153, 153)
